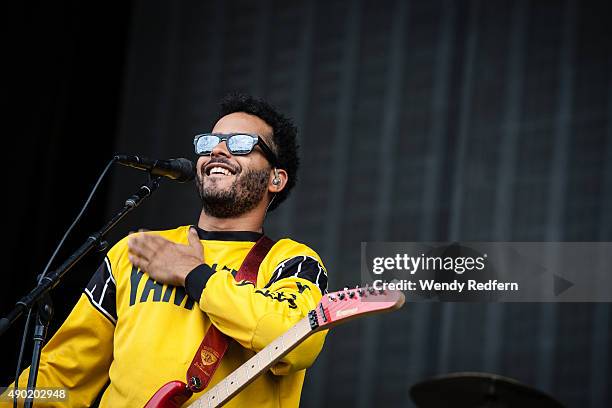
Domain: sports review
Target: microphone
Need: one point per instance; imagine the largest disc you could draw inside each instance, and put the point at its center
(181, 170)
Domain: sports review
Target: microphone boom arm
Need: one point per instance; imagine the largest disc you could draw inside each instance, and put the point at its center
(52, 279)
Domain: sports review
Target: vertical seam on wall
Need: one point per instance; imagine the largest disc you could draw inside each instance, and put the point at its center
(260, 48)
(505, 174)
(448, 309)
(392, 101)
(300, 98)
(421, 319)
(464, 121)
(600, 342)
(340, 150)
(438, 119)
(558, 180)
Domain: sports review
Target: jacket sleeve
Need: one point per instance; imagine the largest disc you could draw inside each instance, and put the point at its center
(255, 316)
(79, 354)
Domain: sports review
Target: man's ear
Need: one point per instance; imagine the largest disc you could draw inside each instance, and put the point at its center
(277, 180)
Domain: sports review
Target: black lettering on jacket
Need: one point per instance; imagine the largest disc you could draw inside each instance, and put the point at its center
(279, 297)
(135, 277)
(302, 288)
(179, 295)
(151, 286)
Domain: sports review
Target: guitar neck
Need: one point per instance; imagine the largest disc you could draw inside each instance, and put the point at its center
(334, 308)
(223, 391)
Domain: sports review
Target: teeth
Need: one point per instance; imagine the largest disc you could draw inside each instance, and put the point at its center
(219, 170)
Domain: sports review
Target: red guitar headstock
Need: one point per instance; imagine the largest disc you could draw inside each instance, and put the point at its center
(341, 306)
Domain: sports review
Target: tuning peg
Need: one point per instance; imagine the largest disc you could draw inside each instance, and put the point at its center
(341, 295)
(351, 294)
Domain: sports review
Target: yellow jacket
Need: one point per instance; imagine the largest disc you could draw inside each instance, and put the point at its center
(133, 335)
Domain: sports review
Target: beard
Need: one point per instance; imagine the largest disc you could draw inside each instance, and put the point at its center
(244, 194)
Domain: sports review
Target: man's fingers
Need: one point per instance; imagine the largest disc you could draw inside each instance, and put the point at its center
(194, 239)
(141, 247)
(139, 230)
(138, 261)
(153, 241)
(156, 240)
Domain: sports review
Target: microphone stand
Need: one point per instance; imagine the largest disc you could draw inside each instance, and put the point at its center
(44, 312)
(39, 296)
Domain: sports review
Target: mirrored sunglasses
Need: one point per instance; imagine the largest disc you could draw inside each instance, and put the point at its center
(237, 144)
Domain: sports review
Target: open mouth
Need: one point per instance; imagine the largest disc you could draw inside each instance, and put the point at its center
(217, 169)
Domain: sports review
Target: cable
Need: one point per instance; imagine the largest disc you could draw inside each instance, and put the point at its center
(76, 220)
(23, 338)
(27, 324)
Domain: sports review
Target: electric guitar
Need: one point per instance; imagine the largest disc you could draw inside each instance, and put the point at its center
(333, 309)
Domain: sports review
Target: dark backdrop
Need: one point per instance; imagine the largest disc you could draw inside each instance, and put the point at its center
(65, 65)
(420, 120)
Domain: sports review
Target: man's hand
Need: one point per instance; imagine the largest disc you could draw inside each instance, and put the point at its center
(165, 261)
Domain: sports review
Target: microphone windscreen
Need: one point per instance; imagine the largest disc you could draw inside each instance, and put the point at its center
(187, 169)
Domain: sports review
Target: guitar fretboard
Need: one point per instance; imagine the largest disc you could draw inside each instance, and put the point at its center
(224, 390)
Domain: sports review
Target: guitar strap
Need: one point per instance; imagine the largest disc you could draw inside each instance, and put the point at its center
(214, 345)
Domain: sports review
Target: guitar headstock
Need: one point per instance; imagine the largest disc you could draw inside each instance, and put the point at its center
(338, 307)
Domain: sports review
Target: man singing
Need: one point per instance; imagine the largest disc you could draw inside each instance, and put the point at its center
(147, 309)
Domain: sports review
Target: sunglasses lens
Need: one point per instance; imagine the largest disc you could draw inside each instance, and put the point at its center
(241, 144)
(206, 143)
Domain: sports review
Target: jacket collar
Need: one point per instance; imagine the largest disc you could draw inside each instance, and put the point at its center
(228, 235)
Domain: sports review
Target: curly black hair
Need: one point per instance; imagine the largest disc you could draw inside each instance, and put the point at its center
(284, 134)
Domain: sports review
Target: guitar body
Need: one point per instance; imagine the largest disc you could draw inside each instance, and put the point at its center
(171, 395)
